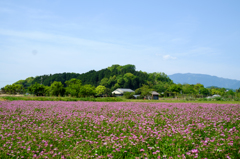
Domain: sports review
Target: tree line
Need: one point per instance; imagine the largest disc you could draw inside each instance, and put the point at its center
(73, 88)
(107, 80)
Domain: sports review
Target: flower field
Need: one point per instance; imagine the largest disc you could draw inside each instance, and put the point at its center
(48, 129)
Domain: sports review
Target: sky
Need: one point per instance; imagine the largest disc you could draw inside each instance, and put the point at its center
(40, 37)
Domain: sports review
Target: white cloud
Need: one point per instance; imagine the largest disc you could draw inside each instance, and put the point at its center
(169, 57)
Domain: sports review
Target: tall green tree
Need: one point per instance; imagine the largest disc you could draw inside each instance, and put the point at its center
(37, 89)
(204, 91)
(100, 90)
(73, 87)
(175, 88)
(87, 90)
(14, 89)
(57, 89)
(188, 89)
(145, 90)
(230, 92)
(104, 82)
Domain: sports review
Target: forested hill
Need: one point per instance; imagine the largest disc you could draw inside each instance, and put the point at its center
(112, 77)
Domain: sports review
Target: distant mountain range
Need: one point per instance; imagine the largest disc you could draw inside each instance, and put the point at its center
(206, 80)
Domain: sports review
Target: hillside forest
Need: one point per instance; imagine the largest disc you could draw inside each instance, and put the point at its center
(103, 82)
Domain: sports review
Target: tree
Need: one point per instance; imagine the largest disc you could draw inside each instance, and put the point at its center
(230, 92)
(14, 88)
(116, 86)
(175, 88)
(47, 91)
(160, 87)
(73, 87)
(18, 88)
(8, 89)
(204, 91)
(157, 77)
(215, 91)
(3, 90)
(100, 90)
(108, 92)
(37, 89)
(57, 89)
(111, 81)
(138, 91)
(104, 82)
(87, 90)
(145, 90)
(238, 90)
(128, 95)
(188, 89)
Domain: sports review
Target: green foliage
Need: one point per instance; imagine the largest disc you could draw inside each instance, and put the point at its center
(13, 89)
(218, 98)
(230, 92)
(155, 77)
(138, 91)
(108, 92)
(145, 90)
(198, 86)
(189, 89)
(57, 89)
(37, 89)
(238, 90)
(87, 90)
(104, 82)
(161, 87)
(175, 88)
(100, 90)
(204, 91)
(73, 87)
(47, 91)
(128, 95)
(26, 83)
(112, 77)
(218, 91)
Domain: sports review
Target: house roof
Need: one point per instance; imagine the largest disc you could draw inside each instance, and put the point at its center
(122, 90)
(136, 96)
(154, 93)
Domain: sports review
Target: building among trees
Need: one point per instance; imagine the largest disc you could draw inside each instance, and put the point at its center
(121, 91)
(155, 95)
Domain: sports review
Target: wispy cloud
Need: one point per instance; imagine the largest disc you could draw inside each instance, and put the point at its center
(166, 57)
(169, 57)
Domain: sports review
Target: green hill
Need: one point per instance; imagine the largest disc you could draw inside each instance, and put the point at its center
(112, 77)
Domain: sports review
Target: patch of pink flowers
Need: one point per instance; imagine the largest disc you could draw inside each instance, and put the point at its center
(35, 129)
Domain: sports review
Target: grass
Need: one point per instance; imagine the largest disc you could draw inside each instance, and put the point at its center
(114, 99)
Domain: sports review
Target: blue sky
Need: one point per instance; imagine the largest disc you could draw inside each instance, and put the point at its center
(41, 37)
